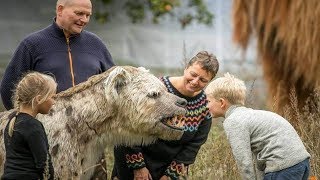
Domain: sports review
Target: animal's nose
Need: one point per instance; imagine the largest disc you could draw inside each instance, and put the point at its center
(181, 102)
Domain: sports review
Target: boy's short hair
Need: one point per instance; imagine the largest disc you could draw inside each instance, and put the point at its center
(228, 87)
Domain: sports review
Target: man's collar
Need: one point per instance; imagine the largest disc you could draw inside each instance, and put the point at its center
(59, 31)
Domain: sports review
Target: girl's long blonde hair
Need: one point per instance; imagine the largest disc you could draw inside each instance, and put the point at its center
(33, 84)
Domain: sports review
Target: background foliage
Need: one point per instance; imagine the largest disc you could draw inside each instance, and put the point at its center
(137, 10)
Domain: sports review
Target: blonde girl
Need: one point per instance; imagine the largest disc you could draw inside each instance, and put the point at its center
(26, 143)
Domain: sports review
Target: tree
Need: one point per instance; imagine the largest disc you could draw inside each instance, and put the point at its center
(185, 11)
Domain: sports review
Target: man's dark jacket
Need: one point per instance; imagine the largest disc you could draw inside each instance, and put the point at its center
(47, 51)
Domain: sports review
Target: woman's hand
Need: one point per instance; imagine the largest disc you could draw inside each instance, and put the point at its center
(142, 174)
(164, 177)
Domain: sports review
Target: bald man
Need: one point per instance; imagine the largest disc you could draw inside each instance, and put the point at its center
(63, 49)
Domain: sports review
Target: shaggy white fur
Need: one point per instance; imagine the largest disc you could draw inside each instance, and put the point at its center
(125, 105)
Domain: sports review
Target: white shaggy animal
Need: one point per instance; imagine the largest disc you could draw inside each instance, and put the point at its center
(125, 105)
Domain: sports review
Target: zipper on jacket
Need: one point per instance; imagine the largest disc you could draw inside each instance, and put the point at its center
(70, 62)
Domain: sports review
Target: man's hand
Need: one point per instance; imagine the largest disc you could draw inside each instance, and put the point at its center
(164, 177)
(142, 174)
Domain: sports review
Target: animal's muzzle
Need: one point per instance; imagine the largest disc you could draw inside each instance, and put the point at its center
(181, 102)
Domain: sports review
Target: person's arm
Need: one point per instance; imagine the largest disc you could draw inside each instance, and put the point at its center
(37, 142)
(259, 174)
(238, 135)
(133, 160)
(190, 150)
(134, 157)
(108, 63)
(20, 63)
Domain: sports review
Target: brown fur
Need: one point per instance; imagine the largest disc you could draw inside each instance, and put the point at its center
(124, 105)
(288, 44)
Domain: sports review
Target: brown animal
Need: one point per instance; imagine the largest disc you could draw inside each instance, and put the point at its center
(288, 39)
(124, 105)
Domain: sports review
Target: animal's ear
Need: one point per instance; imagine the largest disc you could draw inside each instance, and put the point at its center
(143, 69)
(116, 80)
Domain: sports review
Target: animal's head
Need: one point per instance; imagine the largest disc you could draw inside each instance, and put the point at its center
(142, 106)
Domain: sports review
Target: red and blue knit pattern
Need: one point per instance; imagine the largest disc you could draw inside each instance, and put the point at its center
(176, 170)
(135, 161)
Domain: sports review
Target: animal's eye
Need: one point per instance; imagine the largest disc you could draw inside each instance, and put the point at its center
(153, 94)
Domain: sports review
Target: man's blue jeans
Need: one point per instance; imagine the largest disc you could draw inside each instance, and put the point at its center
(299, 171)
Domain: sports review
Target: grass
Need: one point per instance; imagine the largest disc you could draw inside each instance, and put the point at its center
(215, 160)
(307, 123)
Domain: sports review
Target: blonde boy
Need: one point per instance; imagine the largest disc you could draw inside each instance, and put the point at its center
(257, 135)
